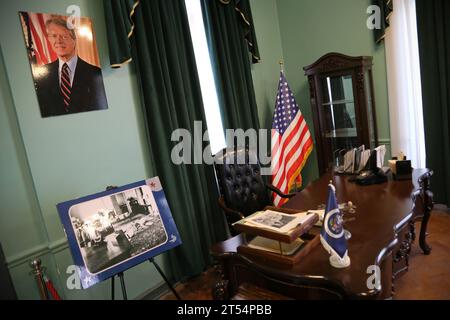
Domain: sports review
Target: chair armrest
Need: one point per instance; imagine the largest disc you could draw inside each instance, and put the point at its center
(278, 191)
(234, 214)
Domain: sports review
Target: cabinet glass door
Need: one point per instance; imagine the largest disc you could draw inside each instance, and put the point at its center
(343, 105)
(338, 108)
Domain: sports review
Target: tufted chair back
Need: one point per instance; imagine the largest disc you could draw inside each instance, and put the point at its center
(240, 182)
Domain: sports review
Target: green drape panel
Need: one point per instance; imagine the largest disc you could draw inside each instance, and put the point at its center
(231, 62)
(164, 60)
(433, 26)
(244, 11)
(118, 16)
(386, 8)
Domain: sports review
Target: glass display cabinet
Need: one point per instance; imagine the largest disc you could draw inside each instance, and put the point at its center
(342, 101)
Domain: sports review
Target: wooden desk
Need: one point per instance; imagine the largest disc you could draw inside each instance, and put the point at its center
(382, 233)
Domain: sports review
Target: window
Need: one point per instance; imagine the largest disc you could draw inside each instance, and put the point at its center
(205, 72)
(404, 84)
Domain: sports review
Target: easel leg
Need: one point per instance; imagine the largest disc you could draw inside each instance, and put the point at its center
(122, 283)
(112, 288)
(165, 279)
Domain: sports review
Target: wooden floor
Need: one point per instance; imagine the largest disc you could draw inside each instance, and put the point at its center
(428, 277)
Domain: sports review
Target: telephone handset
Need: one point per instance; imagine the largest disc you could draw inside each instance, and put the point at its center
(371, 174)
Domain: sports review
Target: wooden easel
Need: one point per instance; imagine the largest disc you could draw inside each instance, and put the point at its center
(122, 278)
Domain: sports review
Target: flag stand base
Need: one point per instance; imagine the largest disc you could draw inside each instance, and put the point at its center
(338, 262)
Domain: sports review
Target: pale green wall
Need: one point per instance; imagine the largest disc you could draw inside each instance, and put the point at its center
(309, 29)
(266, 73)
(47, 161)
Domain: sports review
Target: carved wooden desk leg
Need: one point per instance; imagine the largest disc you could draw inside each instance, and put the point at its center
(413, 230)
(426, 217)
(220, 290)
(428, 207)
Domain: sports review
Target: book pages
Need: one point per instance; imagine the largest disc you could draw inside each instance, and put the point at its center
(274, 246)
(274, 221)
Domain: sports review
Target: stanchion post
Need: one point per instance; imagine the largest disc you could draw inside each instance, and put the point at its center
(37, 271)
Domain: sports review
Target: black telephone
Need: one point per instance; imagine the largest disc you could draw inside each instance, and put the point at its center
(371, 174)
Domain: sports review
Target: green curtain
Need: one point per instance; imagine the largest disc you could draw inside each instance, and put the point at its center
(433, 26)
(245, 17)
(163, 57)
(232, 41)
(119, 20)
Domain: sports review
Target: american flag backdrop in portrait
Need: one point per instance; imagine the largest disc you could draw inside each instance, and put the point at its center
(39, 49)
(291, 141)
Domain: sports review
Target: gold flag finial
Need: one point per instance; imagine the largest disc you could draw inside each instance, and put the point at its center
(281, 63)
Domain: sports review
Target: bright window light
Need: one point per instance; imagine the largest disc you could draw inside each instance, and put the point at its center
(205, 72)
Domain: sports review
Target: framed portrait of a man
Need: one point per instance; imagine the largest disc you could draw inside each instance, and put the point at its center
(64, 60)
(112, 231)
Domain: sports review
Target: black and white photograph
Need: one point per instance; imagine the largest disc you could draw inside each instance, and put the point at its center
(274, 219)
(115, 228)
(112, 231)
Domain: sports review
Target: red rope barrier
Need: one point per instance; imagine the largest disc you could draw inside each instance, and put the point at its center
(51, 288)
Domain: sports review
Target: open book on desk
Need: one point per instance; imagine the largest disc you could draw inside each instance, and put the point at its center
(276, 225)
(319, 213)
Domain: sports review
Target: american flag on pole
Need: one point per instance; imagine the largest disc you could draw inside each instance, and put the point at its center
(291, 141)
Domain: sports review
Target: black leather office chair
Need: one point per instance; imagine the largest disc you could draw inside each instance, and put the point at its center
(241, 186)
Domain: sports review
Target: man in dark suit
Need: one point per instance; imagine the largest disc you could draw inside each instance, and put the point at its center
(69, 84)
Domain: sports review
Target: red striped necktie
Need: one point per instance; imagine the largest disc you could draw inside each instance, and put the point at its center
(66, 87)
